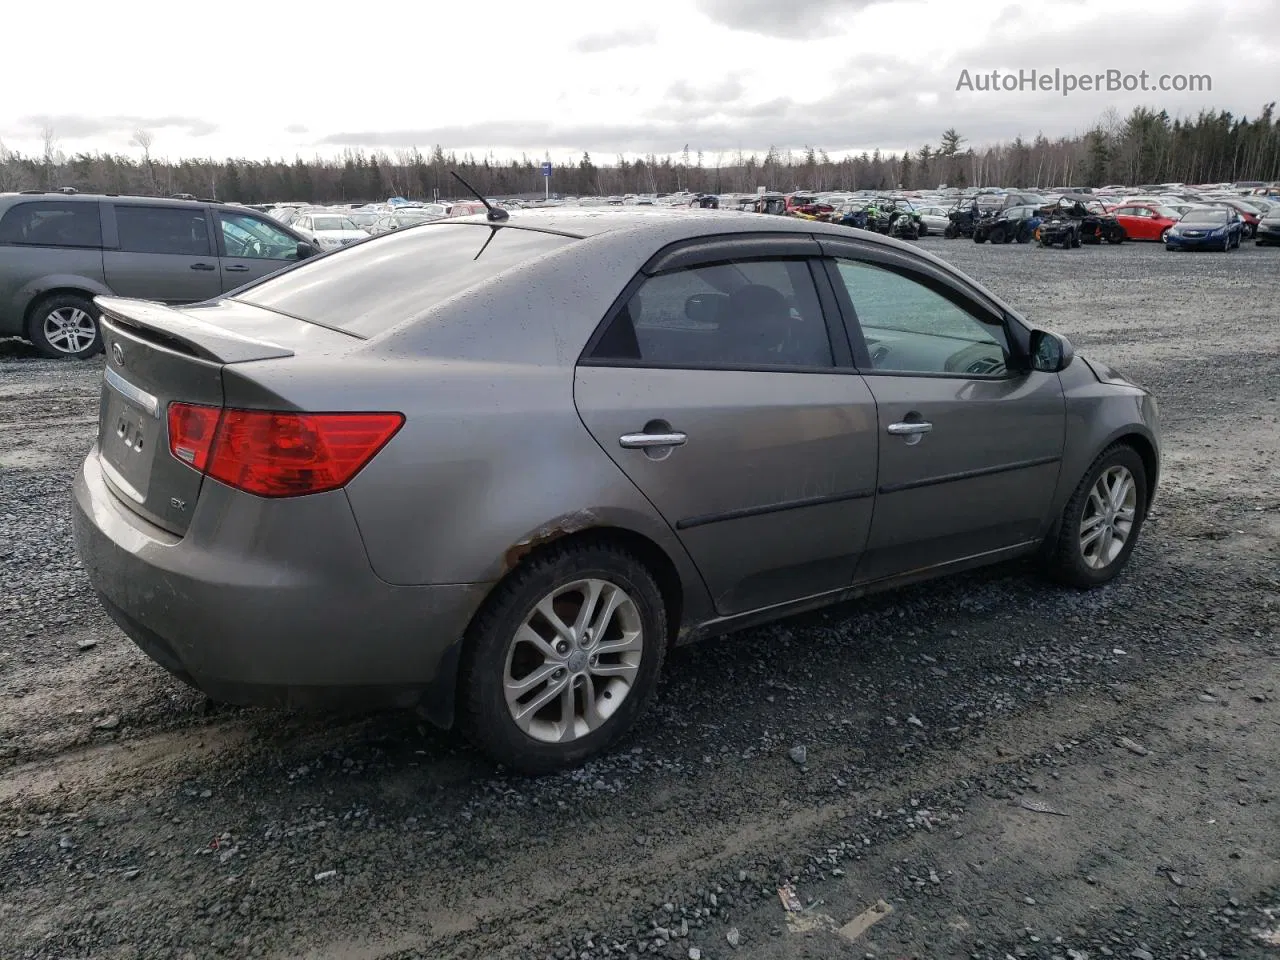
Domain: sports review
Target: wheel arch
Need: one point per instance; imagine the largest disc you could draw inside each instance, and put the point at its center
(441, 706)
(63, 287)
(1145, 449)
(646, 550)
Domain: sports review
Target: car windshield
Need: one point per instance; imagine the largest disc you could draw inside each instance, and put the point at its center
(370, 287)
(1204, 217)
(1246, 207)
(334, 223)
(363, 219)
(1167, 212)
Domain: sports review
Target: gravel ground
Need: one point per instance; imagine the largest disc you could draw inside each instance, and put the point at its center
(992, 767)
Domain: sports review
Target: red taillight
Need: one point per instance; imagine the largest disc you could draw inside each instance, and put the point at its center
(279, 454)
(191, 430)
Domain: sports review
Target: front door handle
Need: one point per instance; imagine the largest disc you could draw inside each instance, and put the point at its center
(203, 266)
(640, 441)
(236, 268)
(910, 428)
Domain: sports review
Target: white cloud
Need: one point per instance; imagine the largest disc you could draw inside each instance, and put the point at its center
(567, 75)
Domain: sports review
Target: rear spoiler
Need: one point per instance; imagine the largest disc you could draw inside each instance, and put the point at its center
(180, 330)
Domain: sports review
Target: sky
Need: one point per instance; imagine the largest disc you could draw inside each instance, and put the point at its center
(560, 77)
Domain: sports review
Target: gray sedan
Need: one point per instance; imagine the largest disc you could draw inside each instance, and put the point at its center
(497, 467)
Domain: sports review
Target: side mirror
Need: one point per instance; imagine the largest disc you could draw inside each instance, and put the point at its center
(306, 250)
(1050, 353)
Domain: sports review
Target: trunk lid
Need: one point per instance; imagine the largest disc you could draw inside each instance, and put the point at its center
(157, 355)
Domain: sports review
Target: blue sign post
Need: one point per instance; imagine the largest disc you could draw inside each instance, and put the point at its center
(546, 177)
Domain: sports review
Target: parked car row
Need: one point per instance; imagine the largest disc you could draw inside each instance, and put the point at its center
(60, 250)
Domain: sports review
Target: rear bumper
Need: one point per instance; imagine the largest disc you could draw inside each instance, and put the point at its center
(271, 602)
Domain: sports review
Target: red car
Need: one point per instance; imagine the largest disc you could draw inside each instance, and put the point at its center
(1248, 213)
(1145, 221)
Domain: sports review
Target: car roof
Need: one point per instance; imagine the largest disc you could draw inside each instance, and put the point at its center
(121, 199)
(656, 227)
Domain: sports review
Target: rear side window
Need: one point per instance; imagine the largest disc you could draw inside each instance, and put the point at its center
(370, 287)
(744, 313)
(176, 230)
(52, 223)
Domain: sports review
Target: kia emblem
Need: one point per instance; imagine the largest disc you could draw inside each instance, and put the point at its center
(117, 354)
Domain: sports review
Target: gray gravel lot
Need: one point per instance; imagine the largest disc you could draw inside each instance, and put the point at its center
(1014, 769)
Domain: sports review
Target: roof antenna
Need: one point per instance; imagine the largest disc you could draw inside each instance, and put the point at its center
(495, 214)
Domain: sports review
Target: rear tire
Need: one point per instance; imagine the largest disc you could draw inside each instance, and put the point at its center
(1113, 522)
(950, 231)
(503, 640)
(996, 235)
(65, 326)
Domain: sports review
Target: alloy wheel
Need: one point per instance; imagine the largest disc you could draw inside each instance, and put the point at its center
(1109, 515)
(573, 660)
(69, 329)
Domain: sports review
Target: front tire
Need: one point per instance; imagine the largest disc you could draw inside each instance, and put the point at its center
(1101, 522)
(563, 657)
(65, 326)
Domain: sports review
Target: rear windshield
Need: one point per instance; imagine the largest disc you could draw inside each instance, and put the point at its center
(372, 286)
(333, 223)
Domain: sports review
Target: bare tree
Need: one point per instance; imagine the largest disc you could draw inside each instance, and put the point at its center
(143, 139)
(49, 138)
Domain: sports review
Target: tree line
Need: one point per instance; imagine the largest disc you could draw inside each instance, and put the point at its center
(1147, 146)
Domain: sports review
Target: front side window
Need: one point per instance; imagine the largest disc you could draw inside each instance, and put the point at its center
(52, 223)
(182, 231)
(252, 238)
(743, 313)
(911, 328)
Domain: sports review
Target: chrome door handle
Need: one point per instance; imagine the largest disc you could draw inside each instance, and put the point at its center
(909, 429)
(639, 441)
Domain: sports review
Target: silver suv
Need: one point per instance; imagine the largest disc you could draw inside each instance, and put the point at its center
(58, 252)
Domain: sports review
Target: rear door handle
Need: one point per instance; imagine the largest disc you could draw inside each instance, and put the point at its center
(639, 441)
(236, 268)
(909, 428)
(203, 266)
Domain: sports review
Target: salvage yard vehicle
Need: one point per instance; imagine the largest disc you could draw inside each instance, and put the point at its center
(1146, 221)
(965, 216)
(933, 219)
(1093, 222)
(1205, 228)
(496, 466)
(1268, 230)
(328, 231)
(59, 252)
(1057, 229)
(1010, 224)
